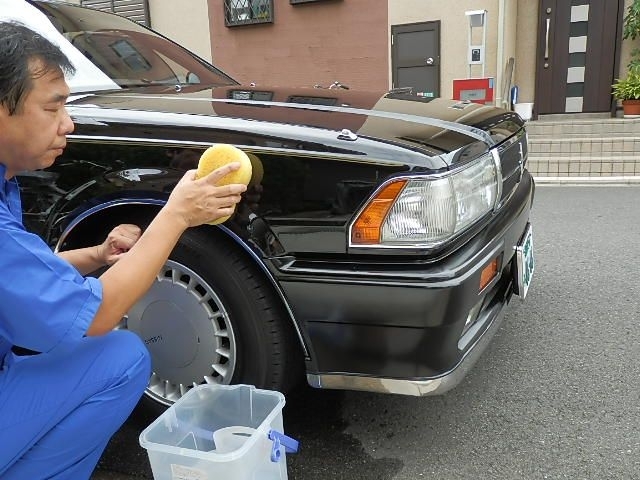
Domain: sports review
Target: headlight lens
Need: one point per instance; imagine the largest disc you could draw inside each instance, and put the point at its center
(429, 211)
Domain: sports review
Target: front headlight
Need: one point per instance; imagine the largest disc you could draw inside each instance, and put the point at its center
(426, 212)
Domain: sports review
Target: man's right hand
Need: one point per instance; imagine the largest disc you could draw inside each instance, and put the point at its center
(198, 201)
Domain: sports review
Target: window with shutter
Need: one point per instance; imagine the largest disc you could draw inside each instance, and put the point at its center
(136, 10)
(243, 12)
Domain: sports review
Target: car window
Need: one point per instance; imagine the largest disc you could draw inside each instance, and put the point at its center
(130, 54)
(88, 76)
(124, 52)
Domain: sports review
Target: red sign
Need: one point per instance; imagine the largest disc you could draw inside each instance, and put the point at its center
(477, 90)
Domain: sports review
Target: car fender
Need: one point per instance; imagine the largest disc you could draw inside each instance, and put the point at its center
(123, 210)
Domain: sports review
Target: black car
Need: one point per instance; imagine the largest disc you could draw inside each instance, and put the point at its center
(378, 245)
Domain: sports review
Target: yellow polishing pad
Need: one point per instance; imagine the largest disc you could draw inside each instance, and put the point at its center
(219, 155)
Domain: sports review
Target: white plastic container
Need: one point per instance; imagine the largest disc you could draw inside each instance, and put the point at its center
(180, 443)
(525, 110)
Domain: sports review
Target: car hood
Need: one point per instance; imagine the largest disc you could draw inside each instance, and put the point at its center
(426, 126)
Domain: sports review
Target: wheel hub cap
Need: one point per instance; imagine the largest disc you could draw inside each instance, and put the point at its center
(188, 332)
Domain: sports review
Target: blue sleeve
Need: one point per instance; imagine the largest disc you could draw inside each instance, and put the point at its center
(44, 301)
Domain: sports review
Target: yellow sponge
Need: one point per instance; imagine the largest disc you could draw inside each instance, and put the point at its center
(219, 155)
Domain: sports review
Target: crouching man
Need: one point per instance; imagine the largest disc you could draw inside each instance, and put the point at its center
(68, 380)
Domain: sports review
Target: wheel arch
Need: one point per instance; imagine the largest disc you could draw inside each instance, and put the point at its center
(90, 226)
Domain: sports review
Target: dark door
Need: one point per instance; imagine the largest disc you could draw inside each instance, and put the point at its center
(415, 57)
(577, 55)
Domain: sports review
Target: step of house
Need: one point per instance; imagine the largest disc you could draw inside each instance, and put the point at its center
(584, 127)
(553, 166)
(583, 146)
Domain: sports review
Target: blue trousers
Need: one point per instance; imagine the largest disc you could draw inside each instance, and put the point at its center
(58, 411)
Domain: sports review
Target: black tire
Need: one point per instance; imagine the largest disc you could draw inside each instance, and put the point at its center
(212, 317)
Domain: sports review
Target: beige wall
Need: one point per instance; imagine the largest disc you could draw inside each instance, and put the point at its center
(509, 47)
(186, 22)
(526, 40)
(454, 35)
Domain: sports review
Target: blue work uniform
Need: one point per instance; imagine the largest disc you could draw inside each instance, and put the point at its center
(62, 394)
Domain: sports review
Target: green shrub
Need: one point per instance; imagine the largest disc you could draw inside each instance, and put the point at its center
(628, 88)
(631, 31)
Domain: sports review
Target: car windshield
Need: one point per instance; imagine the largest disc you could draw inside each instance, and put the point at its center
(128, 53)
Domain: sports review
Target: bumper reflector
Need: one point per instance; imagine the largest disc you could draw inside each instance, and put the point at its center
(488, 273)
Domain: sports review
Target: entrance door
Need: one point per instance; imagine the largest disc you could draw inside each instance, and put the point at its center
(577, 55)
(415, 57)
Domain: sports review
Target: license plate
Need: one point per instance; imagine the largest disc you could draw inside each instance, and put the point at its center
(525, 264)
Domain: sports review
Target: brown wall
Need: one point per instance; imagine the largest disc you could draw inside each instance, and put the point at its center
(307, 44)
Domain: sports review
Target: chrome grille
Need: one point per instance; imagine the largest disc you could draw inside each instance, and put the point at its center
(513, 157)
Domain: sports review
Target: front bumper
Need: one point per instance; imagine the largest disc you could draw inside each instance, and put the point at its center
(419, 386)
(411, 328)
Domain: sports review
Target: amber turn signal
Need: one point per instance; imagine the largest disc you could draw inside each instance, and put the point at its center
(367, 228)
(488, 273)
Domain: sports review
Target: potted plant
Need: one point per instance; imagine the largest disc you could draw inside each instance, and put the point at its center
(628, 91)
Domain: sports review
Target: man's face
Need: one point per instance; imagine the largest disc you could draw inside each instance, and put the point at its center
(35, 135)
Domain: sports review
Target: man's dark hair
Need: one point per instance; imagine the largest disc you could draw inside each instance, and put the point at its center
(20, 45)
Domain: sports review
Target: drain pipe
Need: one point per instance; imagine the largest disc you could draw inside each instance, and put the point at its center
(500, 77)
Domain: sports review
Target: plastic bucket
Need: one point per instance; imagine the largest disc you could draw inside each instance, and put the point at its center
(525, 110)
(230, 432)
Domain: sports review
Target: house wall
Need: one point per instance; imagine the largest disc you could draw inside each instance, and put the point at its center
(509, 45)
(454, 34)
(525, 49)
(307, 44)
(348, 40)
(511, 32)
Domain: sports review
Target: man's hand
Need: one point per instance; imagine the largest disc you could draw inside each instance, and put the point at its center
(194, 201)
(118, 242)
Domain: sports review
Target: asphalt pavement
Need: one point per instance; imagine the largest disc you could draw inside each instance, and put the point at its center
(555, 396)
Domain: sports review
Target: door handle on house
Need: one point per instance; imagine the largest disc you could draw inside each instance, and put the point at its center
(546, 44)
(430, 61)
